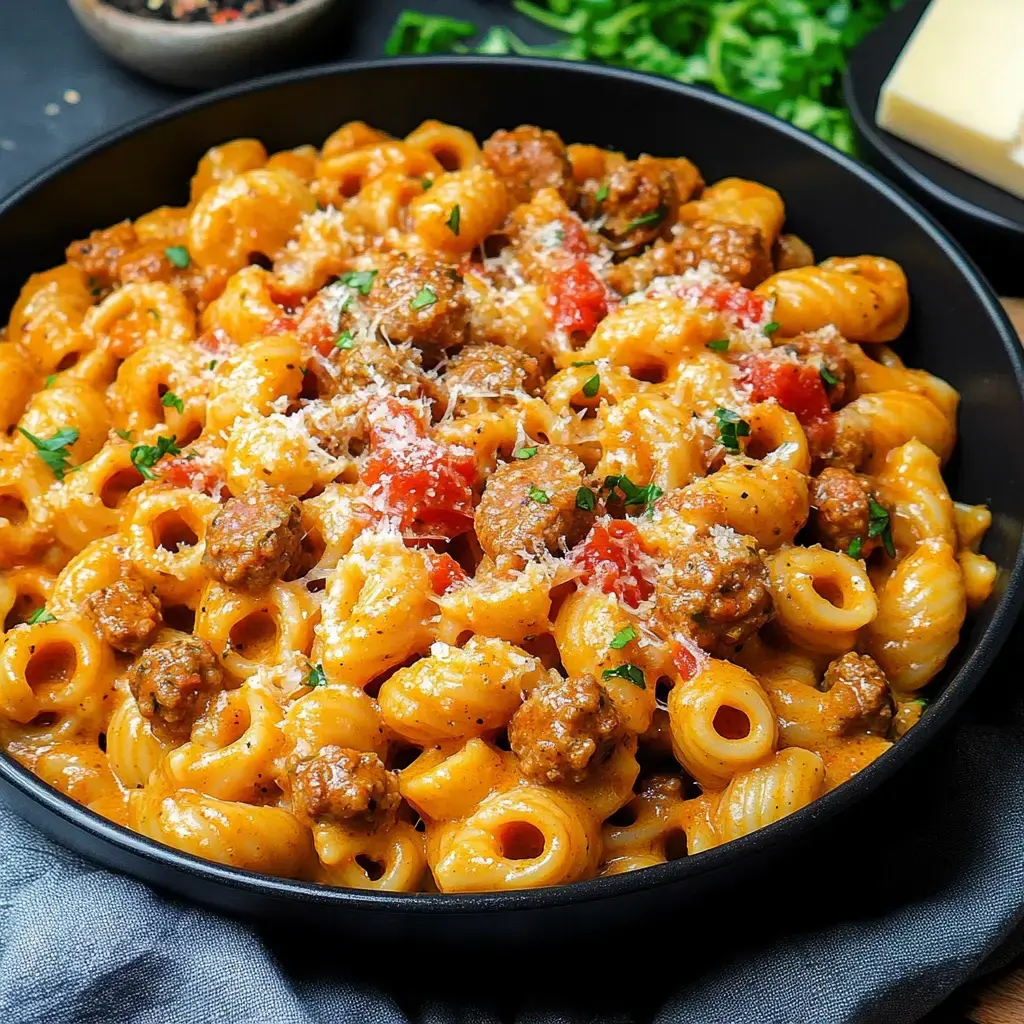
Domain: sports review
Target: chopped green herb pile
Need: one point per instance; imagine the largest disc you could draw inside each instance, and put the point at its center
(784, 56)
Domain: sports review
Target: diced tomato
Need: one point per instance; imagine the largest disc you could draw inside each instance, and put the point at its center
(319, 323)
(282, 325)
(223, 17)
(216, 342)
(748, 308)
(578, 299)
(428, 486)
(574, 238)
(610, 557)
(194, 473)
(688, 660)
(797, 387)
(445, 572)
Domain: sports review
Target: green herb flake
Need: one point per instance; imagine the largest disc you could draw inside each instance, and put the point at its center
(316, 676)
(631, 673)
(145, 456)
(427, 184)
(345, 340)
(829, 379)
(731, 427)
(125, 435)
(602, 193)
(648, 219)
(880, 525)
(623, 637)
(49, 382)
(525, 453)
(721, 345)
(539, 496)
(771, 328)
(631, 493)
(584, 362)
(453, 219)
(212, 364)
(178, 255)
(591, 386)
(171, 401)
(359, 280)
(855, 548)
(426, 296)
(41, 615)
(54, 450)
(585, 499)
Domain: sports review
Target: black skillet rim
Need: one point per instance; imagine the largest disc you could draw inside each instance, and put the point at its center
(955, 693)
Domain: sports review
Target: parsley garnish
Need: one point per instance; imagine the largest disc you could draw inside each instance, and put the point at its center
(453, 219)
(48, 383)
(721, 345)
(172, 401)
(426, 296)
(178, 255)
(41, 615)
(731, 427)
(602, 193)
(855, 548)
(584, 362)
(212, 364)
(144, 456)
(771, 327)
(54, 450)
(879, 525)
(585, 499)
(654, 217)
(539, 496)
(525, 453)
(622, 638)
(633, 495)
(427, 183)
(345, 340)
(316, 676)
(591, 386)
(125, 435)
(631, 673)
(829, 378)
(359, 280)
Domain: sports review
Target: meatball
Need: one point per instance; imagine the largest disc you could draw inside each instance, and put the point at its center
(417, 299)
(529, 506)
(372, 361)
(170, 680)
(563, 728)
(839, 511)
(343, 785)
(99, 254)
(126, 612)
(493, 369)
(791, 252)
(638, 203)
(736, 251)
(253, 540)
(827, 350)
(716, 590)
(859, 694)
(529, 159)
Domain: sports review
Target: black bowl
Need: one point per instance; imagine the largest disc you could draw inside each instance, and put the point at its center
(957, 330)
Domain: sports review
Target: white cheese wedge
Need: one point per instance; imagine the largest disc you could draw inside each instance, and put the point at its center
(957, 89)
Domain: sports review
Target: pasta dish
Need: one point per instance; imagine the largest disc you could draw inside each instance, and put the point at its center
(416, 514)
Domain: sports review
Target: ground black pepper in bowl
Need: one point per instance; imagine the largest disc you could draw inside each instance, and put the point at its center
(218, 12)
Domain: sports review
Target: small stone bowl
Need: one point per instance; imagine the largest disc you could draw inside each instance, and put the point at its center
(202, 55)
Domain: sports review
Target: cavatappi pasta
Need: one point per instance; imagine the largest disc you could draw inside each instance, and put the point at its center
(415, 514)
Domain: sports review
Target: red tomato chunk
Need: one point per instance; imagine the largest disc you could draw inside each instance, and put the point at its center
(610, 557)
(578, 299)
(796, 387)
(193, 473)
(445, 572)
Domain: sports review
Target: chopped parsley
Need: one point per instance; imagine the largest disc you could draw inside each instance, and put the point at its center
(172, 401)
(525, 453)
(829, 379)
(426, 296)
(602, 193)
(212, 364)
(359, 280)
(721, 345)
(654, 217)
(145, 456)
(316, 676)
(345, 340)
(855, 548)
(427, 183)
(591, 386)
(54, 450)
(585, 499)
(178, 255)
(584, 362)
(880, 525)
(631, 673)
(125, 435)
(453, 219)
(633, 495)
(48, 383)
(623, 637)
(539, 496)
(771, 328)
(731, 427)
(41, 615)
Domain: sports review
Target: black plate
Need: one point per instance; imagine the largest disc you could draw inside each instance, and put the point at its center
(987, 221)
(957, 329)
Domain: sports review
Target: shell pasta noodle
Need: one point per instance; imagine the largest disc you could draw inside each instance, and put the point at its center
(452, 514)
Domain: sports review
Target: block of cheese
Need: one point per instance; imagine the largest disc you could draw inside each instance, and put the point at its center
(957, 89)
